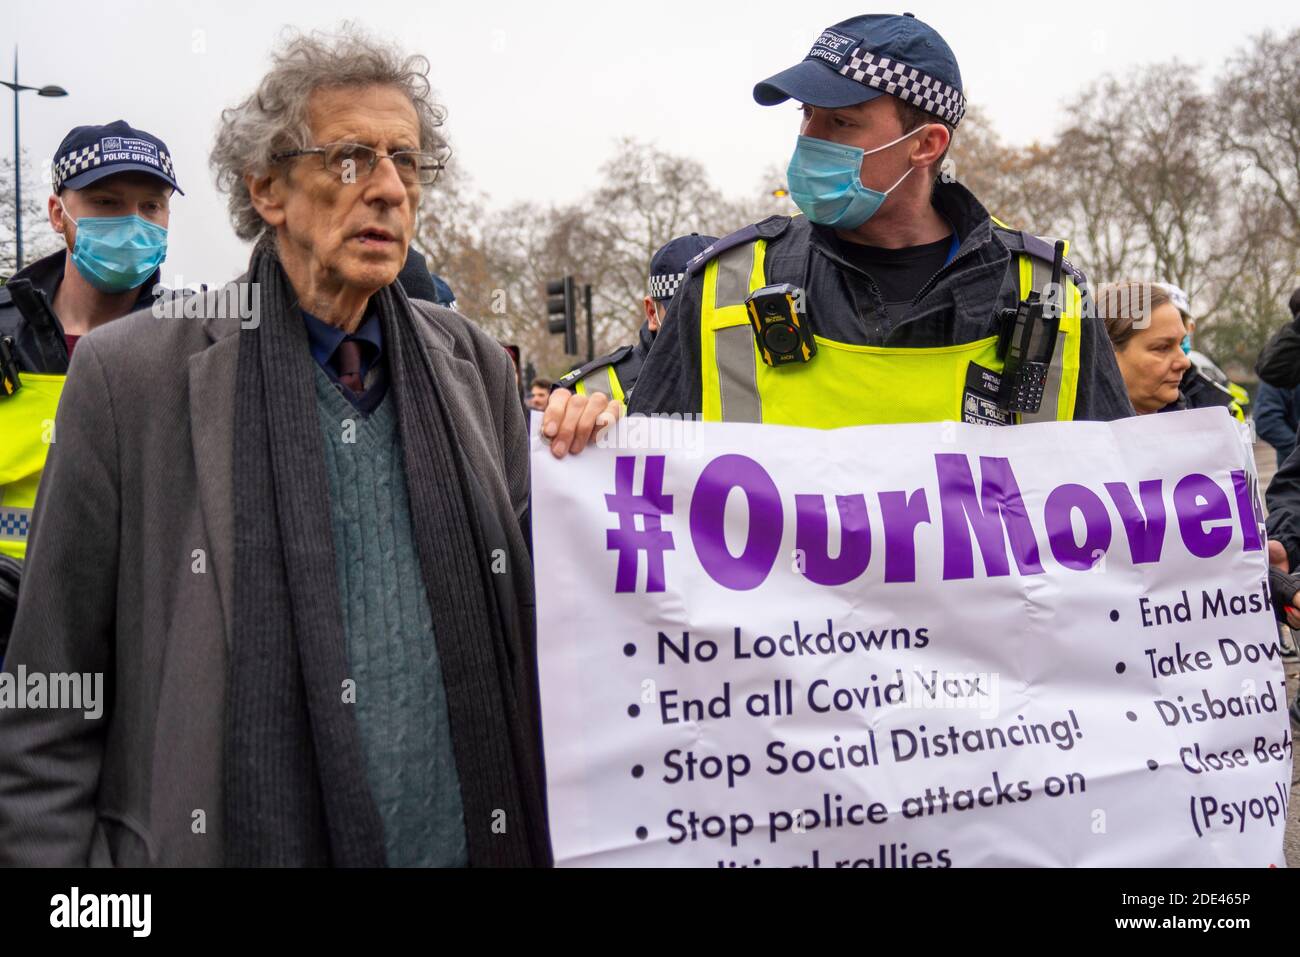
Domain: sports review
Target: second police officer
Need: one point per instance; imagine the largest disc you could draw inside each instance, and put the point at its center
(615, 374)
(898, 283)
(111, 192)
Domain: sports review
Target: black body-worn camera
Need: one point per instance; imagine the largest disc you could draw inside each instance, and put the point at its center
(780, 325)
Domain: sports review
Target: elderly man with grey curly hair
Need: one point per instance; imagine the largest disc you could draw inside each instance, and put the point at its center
(295, 550)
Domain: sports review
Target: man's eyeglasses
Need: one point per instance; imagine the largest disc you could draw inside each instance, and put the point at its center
(352, 161)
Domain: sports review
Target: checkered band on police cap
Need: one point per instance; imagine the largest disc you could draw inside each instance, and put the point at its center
(88, 157)
(907, 83)
(663, 287)
(70, 164)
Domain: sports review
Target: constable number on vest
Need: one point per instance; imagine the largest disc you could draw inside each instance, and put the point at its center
(935, 645)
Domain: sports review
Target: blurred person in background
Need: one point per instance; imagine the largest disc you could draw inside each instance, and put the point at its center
(1204, 384)
(1279, 361)
(1276, 418)
(539, 392)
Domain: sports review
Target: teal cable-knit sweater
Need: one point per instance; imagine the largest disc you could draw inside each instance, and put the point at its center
(400, 701)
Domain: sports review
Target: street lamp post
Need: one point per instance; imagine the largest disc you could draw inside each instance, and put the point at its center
(18, 156)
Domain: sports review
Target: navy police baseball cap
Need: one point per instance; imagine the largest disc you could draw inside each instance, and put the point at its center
(443, 295)
(668, 267)
(90, 153)
(420, 283)
(857, 60)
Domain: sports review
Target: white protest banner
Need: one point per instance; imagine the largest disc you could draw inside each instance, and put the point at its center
(910, 646)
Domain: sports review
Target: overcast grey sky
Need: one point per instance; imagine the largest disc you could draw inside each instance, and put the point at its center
(538, 93)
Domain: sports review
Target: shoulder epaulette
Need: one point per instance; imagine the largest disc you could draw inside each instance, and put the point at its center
(600, 362)
(1017, 240)
(769, 228)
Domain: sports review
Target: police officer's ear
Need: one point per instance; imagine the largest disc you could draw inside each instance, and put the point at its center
(931, 145)
(652, 314)
(55, 211)
(268, 196)
(59, 222)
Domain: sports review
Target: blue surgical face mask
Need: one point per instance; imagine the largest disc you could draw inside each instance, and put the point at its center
(117, 253)
(825, 182)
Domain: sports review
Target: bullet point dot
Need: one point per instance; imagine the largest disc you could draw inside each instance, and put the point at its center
(1114, 615)
(637, 770)
(642, 834)
(1119, 668)
(1130, 715)
(633, 710)
(629, 649)
(1151, 765)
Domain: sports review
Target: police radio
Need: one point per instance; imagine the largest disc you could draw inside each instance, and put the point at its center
(1027, 342)
(780, 324)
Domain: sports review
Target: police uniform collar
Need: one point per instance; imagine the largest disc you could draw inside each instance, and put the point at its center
(954, 202)
(46, 273)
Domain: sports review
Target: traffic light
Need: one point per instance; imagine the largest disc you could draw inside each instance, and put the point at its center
(562, 312)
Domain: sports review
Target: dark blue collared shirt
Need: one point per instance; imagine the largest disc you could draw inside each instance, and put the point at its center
(324, 340)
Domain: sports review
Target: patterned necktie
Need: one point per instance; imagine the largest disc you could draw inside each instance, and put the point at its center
(347, 365)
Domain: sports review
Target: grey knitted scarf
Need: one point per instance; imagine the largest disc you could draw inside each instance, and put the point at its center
(296, 792)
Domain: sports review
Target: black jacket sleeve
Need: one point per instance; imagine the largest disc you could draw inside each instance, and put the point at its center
(1283, 501)
(1279, 362)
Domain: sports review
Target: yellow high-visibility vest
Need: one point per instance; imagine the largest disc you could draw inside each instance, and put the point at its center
(26, 433)
(601, 380)
(846, 384)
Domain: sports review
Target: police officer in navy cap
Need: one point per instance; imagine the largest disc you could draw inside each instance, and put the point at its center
(419, 283)
(442, 293)
(111, 197)
(887, 299)
(112, 189)
(615, 374)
